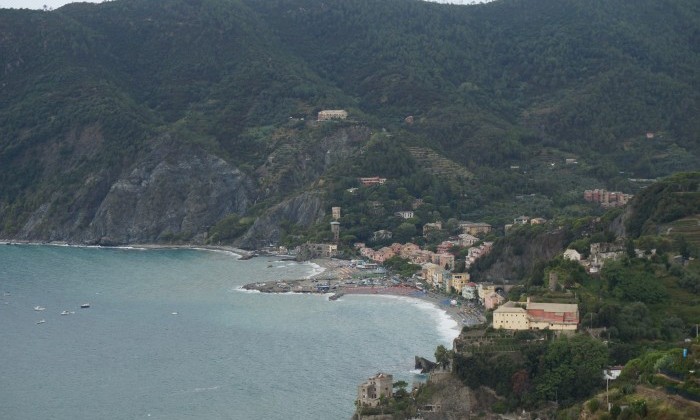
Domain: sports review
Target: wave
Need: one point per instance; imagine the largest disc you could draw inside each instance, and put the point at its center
(241, 289)
(130, 248)
(448, 328)
(222, 251)
(315, 269)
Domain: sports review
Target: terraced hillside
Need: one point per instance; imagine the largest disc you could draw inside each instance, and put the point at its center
(437, 164)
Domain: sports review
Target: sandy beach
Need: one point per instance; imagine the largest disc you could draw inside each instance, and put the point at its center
(339, 277)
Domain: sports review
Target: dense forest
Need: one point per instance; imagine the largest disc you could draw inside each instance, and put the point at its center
(472, 109)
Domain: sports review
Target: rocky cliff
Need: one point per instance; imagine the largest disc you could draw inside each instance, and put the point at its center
(174, 192)
(302, 210)
(514, 256)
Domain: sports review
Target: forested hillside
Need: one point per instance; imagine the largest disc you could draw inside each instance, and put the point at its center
(139, 121)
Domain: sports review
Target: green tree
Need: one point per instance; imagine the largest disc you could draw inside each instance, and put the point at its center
(404, 232)
(442, 356)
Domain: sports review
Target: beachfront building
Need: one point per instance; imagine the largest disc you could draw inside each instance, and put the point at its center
(434, 275)
(470, 291)
(376, 388)
(536, 316)
(317, 250)
(458, 281)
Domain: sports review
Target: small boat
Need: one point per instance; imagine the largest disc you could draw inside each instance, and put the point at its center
(41, 321)
(65, 313)
(39, 308)
(85, 305)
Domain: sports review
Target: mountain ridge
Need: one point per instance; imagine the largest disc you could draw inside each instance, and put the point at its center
(89, 90)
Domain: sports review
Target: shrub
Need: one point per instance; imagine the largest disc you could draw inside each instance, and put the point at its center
(593, 405)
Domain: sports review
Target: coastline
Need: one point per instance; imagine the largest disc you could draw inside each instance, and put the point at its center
(240, 253)
(339, 275)
(338, 278)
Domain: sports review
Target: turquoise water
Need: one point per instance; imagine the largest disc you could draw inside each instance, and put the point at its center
(225, 353)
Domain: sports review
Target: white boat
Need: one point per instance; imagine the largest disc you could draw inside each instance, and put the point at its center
(85, 305)
(65, 313)
(41, 321)
(39, 308)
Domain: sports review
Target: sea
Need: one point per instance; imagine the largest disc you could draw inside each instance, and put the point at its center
(170, 334)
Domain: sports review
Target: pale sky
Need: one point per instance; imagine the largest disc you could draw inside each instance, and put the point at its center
(39, 4)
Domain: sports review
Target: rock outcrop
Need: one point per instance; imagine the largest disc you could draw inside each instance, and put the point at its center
(302, 210)
(425, 365)
(177, 194)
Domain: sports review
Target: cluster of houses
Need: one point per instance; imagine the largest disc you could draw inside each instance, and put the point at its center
(599, 253)
(525, 220)
(410, 251)
(442, 257)
(607, 198)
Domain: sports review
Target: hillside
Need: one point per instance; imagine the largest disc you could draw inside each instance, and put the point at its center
(135, 121)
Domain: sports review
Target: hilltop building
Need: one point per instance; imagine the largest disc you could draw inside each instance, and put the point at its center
(472, 228)
(332, 114)
(607, 198)
(431, 227)
(372, 180)
(404, 214)
(466, 239)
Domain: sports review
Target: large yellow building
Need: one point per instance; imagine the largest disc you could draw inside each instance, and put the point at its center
(458, 281)
(510, 316)
(536, 316)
